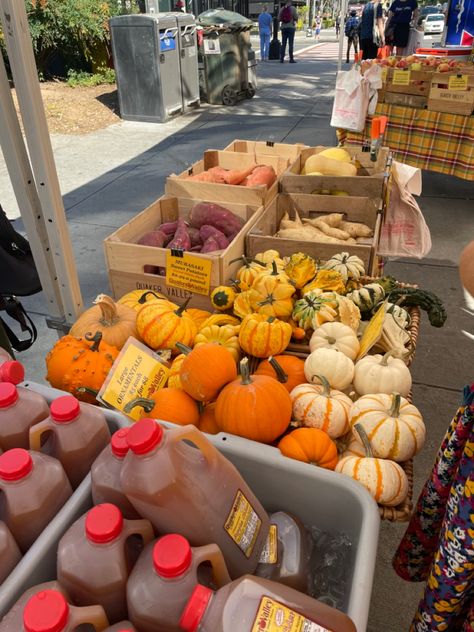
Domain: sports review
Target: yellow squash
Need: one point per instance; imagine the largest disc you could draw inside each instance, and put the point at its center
(327, 280)
(272, 294)
(301, 268)
(226, 336)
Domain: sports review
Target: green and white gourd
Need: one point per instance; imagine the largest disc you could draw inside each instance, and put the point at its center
(367, 297)
(400, 314)
(348, 266)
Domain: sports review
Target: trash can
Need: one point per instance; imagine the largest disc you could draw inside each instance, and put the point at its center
(188, 59)
(224, 57)
(146, 61)
(252, 70)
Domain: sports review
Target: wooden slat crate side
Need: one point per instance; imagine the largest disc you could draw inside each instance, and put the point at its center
(283, 150)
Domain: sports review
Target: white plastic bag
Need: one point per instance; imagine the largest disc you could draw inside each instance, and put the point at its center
(374, 76)
(351, 101)
(404, 230)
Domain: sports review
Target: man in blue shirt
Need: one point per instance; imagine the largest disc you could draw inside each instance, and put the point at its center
(371, 29)
(264, 29)
(351, 31)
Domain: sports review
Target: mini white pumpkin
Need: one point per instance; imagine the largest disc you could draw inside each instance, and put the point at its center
(385, 480)
(350, 446)
(335, 336)
(348, 266)
(319, 406)
(336, 367)
(394, 426)
(382, 374)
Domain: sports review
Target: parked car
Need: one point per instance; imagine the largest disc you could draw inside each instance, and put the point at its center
(426, 11)
(433, 23)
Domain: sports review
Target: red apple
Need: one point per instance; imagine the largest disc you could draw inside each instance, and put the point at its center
(444, 67)
(401, 64)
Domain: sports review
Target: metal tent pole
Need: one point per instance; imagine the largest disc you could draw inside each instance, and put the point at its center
(344, 5)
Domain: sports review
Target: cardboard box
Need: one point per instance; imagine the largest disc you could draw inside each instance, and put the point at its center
(267, 148)
(444, 99)
(356, 209)
(180, 186)
(369, 181)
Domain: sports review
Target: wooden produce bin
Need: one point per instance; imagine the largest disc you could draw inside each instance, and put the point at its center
(406, 100)
(369, 181)
(267, 148)
(126, 260)
(179, 186)
(418, 82)
(356, 209)
(442, 98)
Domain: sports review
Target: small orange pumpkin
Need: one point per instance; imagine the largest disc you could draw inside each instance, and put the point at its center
(168, 404)
(161, 326)
(287, 369)
(310, 445)
(206, 370)
(207, 420)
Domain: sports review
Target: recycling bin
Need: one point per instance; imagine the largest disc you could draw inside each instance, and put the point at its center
(188, 60)
(252, 72)
(146, 61)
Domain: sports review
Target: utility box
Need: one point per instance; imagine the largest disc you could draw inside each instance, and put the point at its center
(146, 60)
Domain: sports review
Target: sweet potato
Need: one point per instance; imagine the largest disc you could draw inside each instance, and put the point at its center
(210, 245)
(207, 231)
(261, 175)
(195, 236)
(155, 238)
(169, 228)
(207, 176)
(207, 213)
(332, 219)
(326, 229)
(181, 239)
(357, 229)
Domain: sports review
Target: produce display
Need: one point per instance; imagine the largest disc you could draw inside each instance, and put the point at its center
(256, 175)
(330, 228)
(412, 62)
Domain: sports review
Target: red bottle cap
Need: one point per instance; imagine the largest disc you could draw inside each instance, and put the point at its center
(8, 394)
(12, 371)
(47, 611)
(119, 444)
(104, 523)
(64, 409)
(195, 608)
(15, 464)
(172, 555)
(145, 435)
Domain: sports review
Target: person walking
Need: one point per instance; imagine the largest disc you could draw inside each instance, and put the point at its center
(288, 18)
(400, 14)
(264, 30)
(371, 29)
(338, 26)
(317, 28)
(351, 31)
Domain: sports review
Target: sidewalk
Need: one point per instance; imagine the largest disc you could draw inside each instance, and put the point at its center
(109, 176)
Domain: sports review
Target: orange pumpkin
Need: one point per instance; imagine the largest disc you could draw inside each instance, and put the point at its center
(207, 420)
(206, 370)
(161, 326)
(75, 363)
(310, 445)
(173, 378)
(168, 404)
(287, 369)
(257, 407)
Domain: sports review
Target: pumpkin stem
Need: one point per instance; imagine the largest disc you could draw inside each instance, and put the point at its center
(181, 308)
(108, 310)
(86, 389)
(331, 340)
(396, 401)
(280, 373)
(143, 298)
(245, 372)
(183, 348)
(96, 339)
(324, 383)
(270, 319)
(389, 354)
(359, 428)
(147, 404)
(247, 261)
(274, 271)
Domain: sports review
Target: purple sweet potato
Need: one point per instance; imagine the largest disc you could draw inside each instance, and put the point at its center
(169, 228)
(181, 238)
(210, 245)
(154, 238)
(196, 239)
(207, 213)
(196, 248)
(207, 231)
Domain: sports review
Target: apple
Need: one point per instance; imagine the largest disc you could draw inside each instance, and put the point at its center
(401, 64)
(392, 61)
(444, 67)
(416, 66)
(410, 59)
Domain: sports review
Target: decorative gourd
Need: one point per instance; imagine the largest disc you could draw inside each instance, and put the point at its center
(225, 336)
(198, 315)
(382, 374)
(287, 369)
(271, 294)
(384, 480)
(137, 298)
(174, 381)
(335, 336)
(207, 420)
(400, 314)
(205, 370)
(248, 272)
(394, 426)
(351, 447)
(263, 336)
(348, 312)
(313, 310)
(301, 268)
(161, 326)
(310, 445)
(328, 281)
(219, 319)
(348, 266)
(256, 407)
(319, 406)
(393, 337)
(222, 297)
(243, 303)
(297, 333)
(75, 363)
(270, 256)
(116, 322)
(168, 404)
(336, 367)
(367, 297)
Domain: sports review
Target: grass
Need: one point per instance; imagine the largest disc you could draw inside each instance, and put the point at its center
(79, 78)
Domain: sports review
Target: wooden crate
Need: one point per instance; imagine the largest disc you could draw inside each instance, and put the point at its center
(369, 181)
(407, 100)
(356, 209)
(179, 186)
(419, 81)
(267, 148)
(443, 99)
(125, 257)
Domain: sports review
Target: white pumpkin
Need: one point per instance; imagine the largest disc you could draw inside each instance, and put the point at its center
(336, 367)
(335, 336)
(350, 446)
(348, 266)
(394, 427)
(319, 406)
(382, 374)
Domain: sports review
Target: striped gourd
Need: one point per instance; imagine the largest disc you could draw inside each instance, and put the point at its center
(161, 325)
(174, 381)
(367, 297)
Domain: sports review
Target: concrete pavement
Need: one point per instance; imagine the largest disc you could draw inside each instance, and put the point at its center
(109, 176)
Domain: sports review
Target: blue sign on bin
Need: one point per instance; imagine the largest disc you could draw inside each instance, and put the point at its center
(167, 43)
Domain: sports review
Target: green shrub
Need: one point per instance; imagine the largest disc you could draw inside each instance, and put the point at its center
(103, 75)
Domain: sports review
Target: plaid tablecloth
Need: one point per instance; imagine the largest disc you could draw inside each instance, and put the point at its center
(429, 140)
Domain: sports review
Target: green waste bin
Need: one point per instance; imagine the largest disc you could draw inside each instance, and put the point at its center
(224, 57)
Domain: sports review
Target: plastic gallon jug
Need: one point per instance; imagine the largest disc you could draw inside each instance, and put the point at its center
(253, 604)
(76, 434)
(11, 371)
(13, 620)
(287, 552)
(164, 578)
(35, 487)
(194, 491)
(10, 554)
(105, 473)
(49, 611)
(20, 409)
(94, 559)
(123, 626)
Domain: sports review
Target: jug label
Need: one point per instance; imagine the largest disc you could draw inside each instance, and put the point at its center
(243, 524)
(269, 553)
(275, 617)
